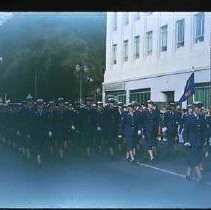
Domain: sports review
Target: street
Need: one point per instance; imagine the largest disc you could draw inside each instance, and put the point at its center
(99, 182)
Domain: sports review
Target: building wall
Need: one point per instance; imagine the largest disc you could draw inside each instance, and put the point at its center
(161, 71)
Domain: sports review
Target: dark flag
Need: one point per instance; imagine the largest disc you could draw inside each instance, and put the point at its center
(189, 89)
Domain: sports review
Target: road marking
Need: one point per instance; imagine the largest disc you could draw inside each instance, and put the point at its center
(163, 170)
(166, 171)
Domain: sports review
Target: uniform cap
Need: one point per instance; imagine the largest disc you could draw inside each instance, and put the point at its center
(120, 103)
(172, 105)
(61, 99)
(66, 103)
(40, 101)
(189, 106)
(130, 105)
(89, 99)
(150, 102)
(135, 103)
(198, 104)
(99, 102)
(111, 100)
(29, 97)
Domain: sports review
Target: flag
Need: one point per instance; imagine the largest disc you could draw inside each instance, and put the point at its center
(189, 89)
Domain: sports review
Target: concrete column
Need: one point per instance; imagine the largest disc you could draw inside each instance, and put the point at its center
(103, 94)
(127, 97)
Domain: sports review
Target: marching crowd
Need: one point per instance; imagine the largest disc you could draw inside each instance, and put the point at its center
(39, 129)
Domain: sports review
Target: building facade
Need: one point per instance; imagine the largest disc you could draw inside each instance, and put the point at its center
(150, 55)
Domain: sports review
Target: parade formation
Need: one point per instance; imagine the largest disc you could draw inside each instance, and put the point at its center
(41, 130)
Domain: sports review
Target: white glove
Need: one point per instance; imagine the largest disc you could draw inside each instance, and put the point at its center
(164, 129)
(18, 132)
(50, 134)
(139, 132)
(73, 127)
(99, 128)
(187, 144)
(119, 136)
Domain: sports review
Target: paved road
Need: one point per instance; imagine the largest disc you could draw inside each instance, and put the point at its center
(99, 183)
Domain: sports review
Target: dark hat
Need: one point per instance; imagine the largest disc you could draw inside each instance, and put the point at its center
(29, 98)
(61, 99)
(40, 101)
(150, 102)
(198, 104)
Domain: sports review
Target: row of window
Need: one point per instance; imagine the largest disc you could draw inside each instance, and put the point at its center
(143, 95)
(180, 35)
(126, 18)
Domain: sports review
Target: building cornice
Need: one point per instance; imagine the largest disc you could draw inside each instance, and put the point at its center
(204, 68)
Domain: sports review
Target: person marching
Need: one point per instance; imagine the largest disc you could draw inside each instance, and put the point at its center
(60, 127)
(194, 135)
(40, 132)
(128, 127)
(110, 125)
(51, 127)
(208, 130)
(98, 123)
(27, 132)
(150, 129)
(87, 117)
(170, 123)
(138, 114)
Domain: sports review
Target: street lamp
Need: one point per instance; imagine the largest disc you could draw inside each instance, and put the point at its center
(82, 71)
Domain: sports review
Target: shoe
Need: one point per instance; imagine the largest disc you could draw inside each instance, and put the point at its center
(189, 178)
(200, 180)
(153, 161)
(135, 162)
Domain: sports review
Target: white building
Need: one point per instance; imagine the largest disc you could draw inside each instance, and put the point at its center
(150, 55)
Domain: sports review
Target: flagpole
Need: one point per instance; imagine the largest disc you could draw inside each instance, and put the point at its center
(209, 87)
(194, 76)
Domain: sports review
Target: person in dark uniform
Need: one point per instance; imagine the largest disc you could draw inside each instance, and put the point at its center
(110, 125)
(208, 130)
(26, 137)
(170, 123)
(76, 128)
(88, 126)
(120, 118)
(40, 131)
(158, 128)
(60, 127)
(194, 136)
(150, 129)
(138, 114)
(128, 127)
(51, 127)
(98, 123)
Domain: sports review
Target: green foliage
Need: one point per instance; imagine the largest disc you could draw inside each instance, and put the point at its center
(51, 44)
